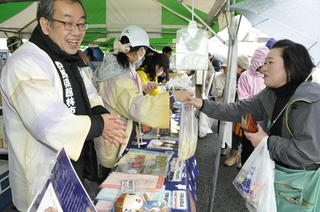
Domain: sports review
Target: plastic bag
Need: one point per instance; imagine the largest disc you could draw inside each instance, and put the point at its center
(192, 48)
(205, 124)
(188, 133)
(255, 181)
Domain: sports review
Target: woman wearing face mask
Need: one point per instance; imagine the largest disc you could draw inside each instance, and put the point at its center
(151, 68)
(120, 87)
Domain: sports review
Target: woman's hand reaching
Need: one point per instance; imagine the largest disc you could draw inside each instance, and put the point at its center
(196, 102)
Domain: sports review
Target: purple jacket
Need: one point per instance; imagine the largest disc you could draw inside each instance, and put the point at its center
(251, 81)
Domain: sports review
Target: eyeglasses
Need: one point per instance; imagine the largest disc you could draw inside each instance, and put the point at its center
(71, 26)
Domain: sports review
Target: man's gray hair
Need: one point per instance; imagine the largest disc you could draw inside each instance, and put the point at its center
(46, 9)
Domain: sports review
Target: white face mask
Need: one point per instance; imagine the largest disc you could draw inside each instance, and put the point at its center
(140, 57)
(159, 73)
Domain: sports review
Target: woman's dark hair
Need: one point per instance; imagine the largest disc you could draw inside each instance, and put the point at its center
(150, 63)
(122, 58)
(297, 61)
(46, 9)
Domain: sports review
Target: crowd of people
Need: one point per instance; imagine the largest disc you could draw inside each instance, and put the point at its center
(49, 96)
(54, 98)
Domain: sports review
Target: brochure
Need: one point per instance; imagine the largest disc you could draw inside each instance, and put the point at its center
(63, 190)
(143, 182)
(147, 162)
(163, 144)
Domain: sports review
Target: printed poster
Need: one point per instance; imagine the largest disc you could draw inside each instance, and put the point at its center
(63, 190)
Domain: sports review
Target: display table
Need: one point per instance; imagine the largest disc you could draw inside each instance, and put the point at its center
(180, 180)
(179, 185)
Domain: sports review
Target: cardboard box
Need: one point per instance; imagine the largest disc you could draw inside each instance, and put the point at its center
(5, 190)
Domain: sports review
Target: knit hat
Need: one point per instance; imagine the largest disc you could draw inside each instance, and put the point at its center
(270, 43)
(243, 61)
(137, 36)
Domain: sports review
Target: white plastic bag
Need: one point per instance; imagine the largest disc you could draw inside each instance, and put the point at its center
(188, 133)
(205, 124)
(255, 181)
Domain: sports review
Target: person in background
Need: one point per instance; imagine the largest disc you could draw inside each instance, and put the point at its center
(49, 102)
(91, 57)
(250, 83)
(13, 43)
(289, 107)
(219, 82)
(167, 51)
(218, 91)
(151, 68)
(120, 87)
(215, 62)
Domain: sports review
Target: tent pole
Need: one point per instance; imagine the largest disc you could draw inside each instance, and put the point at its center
(225, 130)
(202, 21)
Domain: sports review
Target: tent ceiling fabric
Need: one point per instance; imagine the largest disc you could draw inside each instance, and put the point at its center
(160, 18)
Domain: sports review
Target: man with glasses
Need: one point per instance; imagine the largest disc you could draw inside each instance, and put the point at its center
(49, 102)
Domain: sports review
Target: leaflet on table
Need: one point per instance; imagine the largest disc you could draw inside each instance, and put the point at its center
(143, 182)
(163, 144)
(63, 191)
(144, 162)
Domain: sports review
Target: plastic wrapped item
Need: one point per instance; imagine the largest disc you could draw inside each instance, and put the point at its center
(192, 48)
(137, 203)
(132, 201)
(183, 82)
(188, 133)
(43, 172)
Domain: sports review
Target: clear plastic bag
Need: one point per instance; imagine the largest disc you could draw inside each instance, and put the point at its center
(255, 181)
(192, 48)
(188, 133)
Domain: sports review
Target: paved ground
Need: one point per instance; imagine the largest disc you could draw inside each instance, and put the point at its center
(226, 197)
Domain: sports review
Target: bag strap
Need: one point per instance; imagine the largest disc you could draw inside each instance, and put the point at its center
(276, 119)
(287, 114)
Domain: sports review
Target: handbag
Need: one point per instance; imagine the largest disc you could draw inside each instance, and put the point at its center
(297, 190)
(255, 181)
